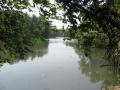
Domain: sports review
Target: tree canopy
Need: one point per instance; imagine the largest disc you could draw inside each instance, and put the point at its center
(98, 10)
(19, 31)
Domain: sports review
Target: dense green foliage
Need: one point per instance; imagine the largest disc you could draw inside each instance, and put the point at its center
(20, 32)
(17, 32)
(93, 15)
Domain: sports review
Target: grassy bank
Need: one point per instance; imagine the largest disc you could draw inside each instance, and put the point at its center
(39, 41)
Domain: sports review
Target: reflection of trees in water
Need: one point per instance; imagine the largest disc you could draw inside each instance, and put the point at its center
(9, 55)
(113, 56)
(97, 68)
(99, 65)
(38, 51)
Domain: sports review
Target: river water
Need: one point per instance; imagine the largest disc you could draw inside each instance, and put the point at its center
(61, 67)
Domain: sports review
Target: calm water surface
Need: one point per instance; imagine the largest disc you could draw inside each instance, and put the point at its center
(61, 68)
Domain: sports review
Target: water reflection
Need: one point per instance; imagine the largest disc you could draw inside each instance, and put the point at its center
(57, 70)
(67, 66)
(10, 56)
(99, 65)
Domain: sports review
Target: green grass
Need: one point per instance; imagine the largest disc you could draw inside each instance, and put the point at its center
(39, 41)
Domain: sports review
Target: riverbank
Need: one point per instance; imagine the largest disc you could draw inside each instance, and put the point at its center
(39, 41)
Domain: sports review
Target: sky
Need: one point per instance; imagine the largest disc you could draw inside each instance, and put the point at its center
(56, 23)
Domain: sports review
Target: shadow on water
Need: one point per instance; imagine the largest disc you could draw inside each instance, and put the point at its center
(11, 55)
(100, 64)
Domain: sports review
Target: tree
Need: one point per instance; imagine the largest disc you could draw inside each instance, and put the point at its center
(99, 15)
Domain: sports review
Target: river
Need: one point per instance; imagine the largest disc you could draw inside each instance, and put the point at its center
(60, 68)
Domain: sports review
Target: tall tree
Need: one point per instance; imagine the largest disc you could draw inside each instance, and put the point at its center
(102, 15)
